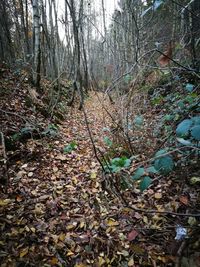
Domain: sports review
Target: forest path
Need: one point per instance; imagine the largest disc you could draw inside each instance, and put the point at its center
(53, 212)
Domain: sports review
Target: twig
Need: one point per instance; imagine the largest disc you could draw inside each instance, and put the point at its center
(164, 212)
(179, 253)
(5, 157)
(13, 113)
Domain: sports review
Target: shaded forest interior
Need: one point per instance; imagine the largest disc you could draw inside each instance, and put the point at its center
(99, 133)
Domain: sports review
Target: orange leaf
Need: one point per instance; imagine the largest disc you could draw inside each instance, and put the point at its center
(184, 200)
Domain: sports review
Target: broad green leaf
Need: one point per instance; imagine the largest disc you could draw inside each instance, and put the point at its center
(168, 117)
(196, 120)
(138, 174)
(164, 165)
(127, 78)
(145, 183)
(183, 128)
(160, 152)
(69, 148)
(195, 132)
(151, 169)
(189, 87)
(138, 120)
(107, 141)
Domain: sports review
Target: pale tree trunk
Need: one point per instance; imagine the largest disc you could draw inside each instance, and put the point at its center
(77, 51)
(36, 44)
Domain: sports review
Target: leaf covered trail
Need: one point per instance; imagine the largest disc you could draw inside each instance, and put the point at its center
(52, 211)
(56, 212)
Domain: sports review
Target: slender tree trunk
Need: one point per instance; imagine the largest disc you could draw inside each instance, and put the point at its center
(36, 44)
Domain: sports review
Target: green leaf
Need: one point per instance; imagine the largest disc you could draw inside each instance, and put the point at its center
(196, 120)
(168, 117)
(16, 136)
(195, 132)
(189, 87)
(151, 169)
(183, 128)
(107, 141)
(181, 104)
(127, 78)
(69, 148)
(184, 142)
(160, 152)
(164, 165)
(138, 120)
(144, 184)
(138, 174)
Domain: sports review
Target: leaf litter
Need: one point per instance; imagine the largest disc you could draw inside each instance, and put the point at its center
(56, 212)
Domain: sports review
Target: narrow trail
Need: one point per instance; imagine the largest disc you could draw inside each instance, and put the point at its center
(54, 213)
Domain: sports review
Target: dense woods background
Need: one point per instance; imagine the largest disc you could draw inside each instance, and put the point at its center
(99, 133)
(81, 44)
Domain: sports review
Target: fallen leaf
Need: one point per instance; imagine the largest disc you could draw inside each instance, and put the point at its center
(23, 252)
(184, 200)
(30, 174)
(93, 175)
(132, 235)
(192, 221)
(4, 202)
(55, 169)
(158, 195)
(131, 263)
(70, 253)
(112, 222)
(19, 198)
(101, 261)
(145, 219)
(54, 261)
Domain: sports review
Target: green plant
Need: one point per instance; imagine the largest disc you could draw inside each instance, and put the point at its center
(188, 131)
(69, 148)
(51, 130)
(107, 141)
(138, 121)
(141, 175)
(117, 164)
(163, 163)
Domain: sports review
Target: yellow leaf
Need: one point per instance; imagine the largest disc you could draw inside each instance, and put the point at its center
(70, 253)
(93, 175)
(112, 222)
(145, 219)
(62, 237)
(131, 263)
(101, 261)
(54, 261)
(71, 226)
(195, 180)
(158, 195)
(27, 228)
(82, 224)
(4, 202)
(137, 249)
(23, 252)
(81, 265)
(32, 229)
(192, 221)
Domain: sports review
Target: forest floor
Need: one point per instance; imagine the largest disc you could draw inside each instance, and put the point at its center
(55, 212)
